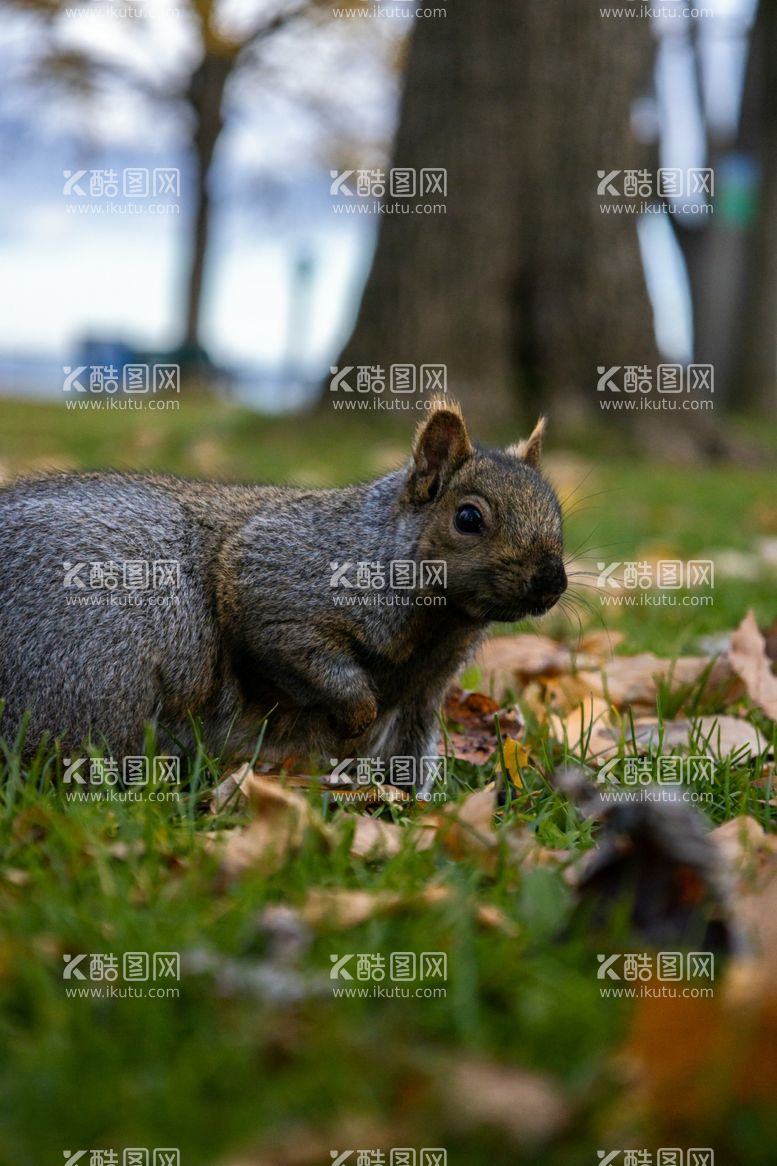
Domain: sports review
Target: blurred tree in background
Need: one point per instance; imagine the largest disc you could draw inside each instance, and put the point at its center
(221, 56)
(754, 375)
(523, 287)
(228, 47)
(731, 256)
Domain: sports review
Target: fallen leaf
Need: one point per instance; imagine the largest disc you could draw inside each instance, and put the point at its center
(466, 828)
(741, 840)
(492, 917)
(340, 909)
(589, 723)
(507, 662)
(750, 662)
(597, 726)
(232, 791)
(712, 736)
(600, 642)
(516, 757)
(276, 832)
(374, 838)
(229, 791)
(525, 1107)
(562, 694)
(467, 707)
(473, 734)
(634, 680)
(725, 1057)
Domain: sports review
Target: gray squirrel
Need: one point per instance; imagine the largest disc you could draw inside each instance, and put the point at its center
(129, 599)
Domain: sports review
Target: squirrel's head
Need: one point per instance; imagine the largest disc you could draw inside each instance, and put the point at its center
(491, 516)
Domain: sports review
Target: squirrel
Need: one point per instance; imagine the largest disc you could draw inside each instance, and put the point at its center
(128, 599)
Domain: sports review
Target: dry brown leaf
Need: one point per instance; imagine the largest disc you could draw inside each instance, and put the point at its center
(600, 642)
(474, 738)
(525, 1107)
(726, 1055)
(563, 694)
(509, 661)
(590, 721)
(743, 840)
(376, 839)
(489, 916)
(282, 819)
(229, 791)
(605, 735)
(674, 1042)
(466, 828)
(476, 710)
(475, 748)
(469, 707)
(751, 663)
(633, 680)
(714, 736)
(340, 909)
(493, 918)
(526, 852)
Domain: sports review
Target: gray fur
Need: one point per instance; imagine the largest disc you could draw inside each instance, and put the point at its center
(254, 631)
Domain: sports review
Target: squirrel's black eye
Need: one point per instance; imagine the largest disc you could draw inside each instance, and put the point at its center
(468, 519)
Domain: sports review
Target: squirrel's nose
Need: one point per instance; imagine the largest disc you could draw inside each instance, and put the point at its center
(549, 582)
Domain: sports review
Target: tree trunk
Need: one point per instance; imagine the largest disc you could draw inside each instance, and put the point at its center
(713, 246)
(523, 286)
(586, 302)
(731, 257)
(755, 375)
(205, 97)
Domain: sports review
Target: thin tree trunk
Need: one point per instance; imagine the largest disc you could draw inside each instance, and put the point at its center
(205, 96)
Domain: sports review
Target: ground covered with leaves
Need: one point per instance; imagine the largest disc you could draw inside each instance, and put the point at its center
(265, 882)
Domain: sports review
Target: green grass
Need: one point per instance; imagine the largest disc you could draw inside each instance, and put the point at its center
(220, 1065)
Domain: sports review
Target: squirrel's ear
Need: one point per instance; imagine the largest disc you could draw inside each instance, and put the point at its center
(442, 445)
(530, 448)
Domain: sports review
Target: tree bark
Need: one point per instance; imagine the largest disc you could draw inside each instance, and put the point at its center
(523, 287)
(205, 98)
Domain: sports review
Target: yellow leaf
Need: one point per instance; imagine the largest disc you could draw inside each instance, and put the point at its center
(516, 757)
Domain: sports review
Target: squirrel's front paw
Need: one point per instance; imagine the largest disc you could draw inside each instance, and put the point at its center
(353, 719)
